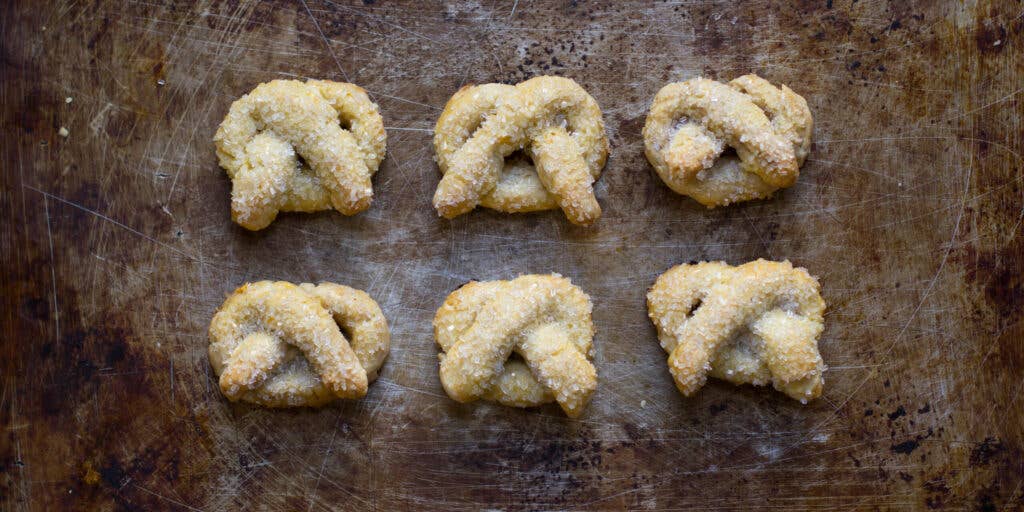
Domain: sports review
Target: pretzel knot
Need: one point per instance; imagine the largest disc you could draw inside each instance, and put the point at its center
(294, 146)
(281, 345)
(555, 124)
(691, 123)
(521, 343)
(750, 324)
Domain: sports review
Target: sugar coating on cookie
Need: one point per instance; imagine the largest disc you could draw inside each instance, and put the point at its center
(300, 146)
(757, 323)
(692, 123)
(522, 343)
(278, 344)
(538, 145)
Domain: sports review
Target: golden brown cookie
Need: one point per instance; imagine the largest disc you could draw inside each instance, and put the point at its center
(522, 343)
(549, 126)
(752, 324)
(691, 124)
(300, 146)
(281, 345)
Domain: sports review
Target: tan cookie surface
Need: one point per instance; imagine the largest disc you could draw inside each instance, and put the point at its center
(692, 123)
(522, 343)
(549, 126)
(281, 345)
(752, 324)
(300, 146)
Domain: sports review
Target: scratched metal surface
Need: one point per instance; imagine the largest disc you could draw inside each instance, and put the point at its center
(117, 248)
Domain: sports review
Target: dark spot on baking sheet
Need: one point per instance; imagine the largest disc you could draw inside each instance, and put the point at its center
(856, 461)
(938, 490)
(983, 452)
(990, 36)
(631, 125)
(35, 308)
(986, 503)
(906, 447)
(899, 412)
(91, 44)
(632, 431)
(113, 474)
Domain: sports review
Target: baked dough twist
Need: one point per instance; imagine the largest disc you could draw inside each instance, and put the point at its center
(750, 324)
(281, 345)
(552, 119)
(543, 319)
(691, 123)
(333, 127)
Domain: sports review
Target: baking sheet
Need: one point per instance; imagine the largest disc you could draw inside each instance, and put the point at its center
(118, 247)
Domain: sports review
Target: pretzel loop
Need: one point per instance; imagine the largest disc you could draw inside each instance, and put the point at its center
(556, 124)
(294, 146)
(752, 324)
(281, 345)
(542, 322)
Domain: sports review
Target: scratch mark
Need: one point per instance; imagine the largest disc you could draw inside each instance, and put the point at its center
(323, 464)
(112, 221)
(53, 271)
(404, 100)
(327, 42)
(913, 314)
(171, 371)
(97, 120)
(428, 130)
(165, 498)
(383, 20)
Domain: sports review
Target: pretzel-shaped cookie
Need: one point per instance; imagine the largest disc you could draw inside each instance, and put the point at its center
(692, 122)
(750, 324)
(544, 320)
(333, 127)
(555, 122)
(281, 345)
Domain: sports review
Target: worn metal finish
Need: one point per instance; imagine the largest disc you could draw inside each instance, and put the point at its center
(118, 246)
